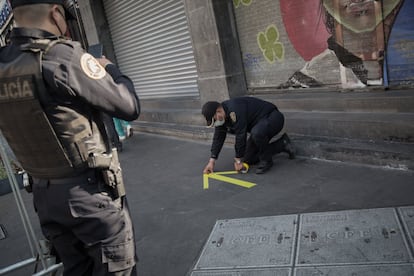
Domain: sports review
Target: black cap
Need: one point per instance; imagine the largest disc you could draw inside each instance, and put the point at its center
(208, 110)
(68, 5)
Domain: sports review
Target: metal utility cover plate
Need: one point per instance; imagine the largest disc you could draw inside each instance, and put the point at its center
(407, 216)
(250, 243)
(357, 236)
(245, 272)
(365, 270)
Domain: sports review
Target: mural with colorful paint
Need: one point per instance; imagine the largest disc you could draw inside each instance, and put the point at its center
(237, 3)
(345, 43)
(268, 42)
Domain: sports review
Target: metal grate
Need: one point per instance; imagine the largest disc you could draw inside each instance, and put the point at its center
(153, 46)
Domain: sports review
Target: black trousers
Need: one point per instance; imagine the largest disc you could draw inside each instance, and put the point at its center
(258, 147)
(92, 233)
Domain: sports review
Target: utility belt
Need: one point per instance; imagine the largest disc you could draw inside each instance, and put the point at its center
(107, 165)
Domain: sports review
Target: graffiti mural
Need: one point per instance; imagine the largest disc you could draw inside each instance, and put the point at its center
(315, 43)
(399, 62)
(251, 62)
(268, 42)
(243, 2)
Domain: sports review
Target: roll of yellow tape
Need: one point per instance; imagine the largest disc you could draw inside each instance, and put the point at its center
(245, 168)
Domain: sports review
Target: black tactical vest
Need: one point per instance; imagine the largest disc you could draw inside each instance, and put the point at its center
(25, 125)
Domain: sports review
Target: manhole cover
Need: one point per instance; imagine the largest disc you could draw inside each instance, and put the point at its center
(250, 243)
(407, 216)
(366, 270)
(245, 272)
(357, 236)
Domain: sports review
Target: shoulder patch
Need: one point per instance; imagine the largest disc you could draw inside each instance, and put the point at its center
(91, 67)
(233, 117)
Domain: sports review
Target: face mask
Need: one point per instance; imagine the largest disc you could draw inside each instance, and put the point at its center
(218, 123)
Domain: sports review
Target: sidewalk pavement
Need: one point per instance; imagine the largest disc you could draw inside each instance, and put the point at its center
(174, 216)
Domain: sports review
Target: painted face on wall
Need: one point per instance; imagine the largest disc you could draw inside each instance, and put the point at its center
(360, 16)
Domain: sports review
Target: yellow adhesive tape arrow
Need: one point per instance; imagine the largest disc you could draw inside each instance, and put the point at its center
(205, 181)
(244, 170)
(226, 172)
(220, 176)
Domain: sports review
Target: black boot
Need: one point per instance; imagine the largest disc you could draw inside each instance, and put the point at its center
(288, 147)
(264, 166)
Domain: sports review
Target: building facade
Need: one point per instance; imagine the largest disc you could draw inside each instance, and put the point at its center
(337, 72)
(337, 69)
(170, 47)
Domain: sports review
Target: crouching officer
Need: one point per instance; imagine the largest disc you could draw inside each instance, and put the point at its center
(52, 97)
(242, 116)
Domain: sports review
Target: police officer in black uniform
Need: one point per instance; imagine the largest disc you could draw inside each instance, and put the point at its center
(241, 116)
(52, 98)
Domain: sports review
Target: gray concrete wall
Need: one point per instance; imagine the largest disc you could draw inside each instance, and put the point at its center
(215, 42)
(96, 26)
(216, 48)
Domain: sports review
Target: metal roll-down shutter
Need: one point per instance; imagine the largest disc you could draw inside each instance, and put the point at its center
(153, 47)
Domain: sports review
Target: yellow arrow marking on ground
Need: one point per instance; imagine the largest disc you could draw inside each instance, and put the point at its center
(220, 176)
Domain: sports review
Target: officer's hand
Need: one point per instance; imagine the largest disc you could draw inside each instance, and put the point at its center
(103, 61)
(210, 166)
(238, 166)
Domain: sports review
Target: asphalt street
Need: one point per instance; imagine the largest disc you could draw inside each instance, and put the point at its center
(174, 216)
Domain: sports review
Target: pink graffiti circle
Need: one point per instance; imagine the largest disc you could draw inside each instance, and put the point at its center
(305, 26)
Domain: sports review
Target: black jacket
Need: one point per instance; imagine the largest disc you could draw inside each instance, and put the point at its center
(74, 91)
(65, 79)
(242, 114)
